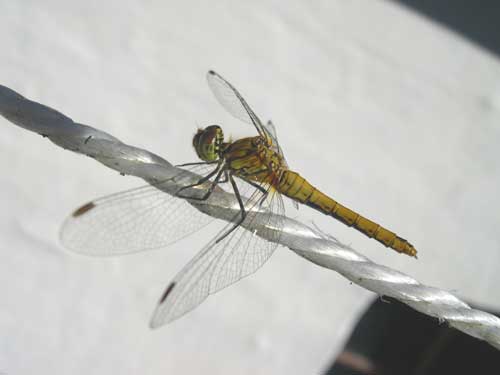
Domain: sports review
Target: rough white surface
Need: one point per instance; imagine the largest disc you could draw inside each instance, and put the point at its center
(390, 114)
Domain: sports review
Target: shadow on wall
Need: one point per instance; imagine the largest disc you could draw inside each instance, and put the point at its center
(478, 21)
(393, 339)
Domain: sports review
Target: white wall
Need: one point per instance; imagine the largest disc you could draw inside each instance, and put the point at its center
(390, 114)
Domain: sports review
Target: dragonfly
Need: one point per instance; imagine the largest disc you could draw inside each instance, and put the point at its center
(254, 169)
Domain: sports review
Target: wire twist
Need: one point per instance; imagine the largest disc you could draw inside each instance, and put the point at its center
(305, 241)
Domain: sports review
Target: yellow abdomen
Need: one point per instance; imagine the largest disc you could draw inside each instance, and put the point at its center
(296, 187)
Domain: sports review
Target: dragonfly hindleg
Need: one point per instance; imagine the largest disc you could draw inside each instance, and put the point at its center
(225, 179)
(242, 210)
(259, 187)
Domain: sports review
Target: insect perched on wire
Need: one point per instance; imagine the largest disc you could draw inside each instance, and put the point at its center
(254, 169)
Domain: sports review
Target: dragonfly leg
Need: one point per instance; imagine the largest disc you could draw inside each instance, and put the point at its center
(242, 210)
(212, 186)
(202, 180)
(259, 187)
(263, 199)
(225, 178)
(197, 163)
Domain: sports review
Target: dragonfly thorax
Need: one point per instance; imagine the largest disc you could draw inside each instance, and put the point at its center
(252, 159)
(208, 143)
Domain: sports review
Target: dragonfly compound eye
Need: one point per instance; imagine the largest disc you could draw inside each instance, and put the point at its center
(207, 142)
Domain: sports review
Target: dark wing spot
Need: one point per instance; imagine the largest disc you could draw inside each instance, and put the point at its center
(83, 209)
(211, 72)
(167, 292)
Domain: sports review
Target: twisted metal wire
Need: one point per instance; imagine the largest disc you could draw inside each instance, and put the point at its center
(305, 241)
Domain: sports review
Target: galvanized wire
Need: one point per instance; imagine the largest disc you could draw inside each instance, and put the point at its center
(305, 241)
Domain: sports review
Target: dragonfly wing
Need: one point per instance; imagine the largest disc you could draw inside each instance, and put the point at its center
(218, 265)
(271, 131)
(232, 100)
(236, 105)
(130, 221)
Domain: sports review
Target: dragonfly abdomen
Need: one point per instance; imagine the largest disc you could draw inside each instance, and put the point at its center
(298, 188)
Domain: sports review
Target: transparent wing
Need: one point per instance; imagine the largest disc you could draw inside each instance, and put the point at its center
(221, 263)
(236, 105)
(130, 221)
(232, 101)
(271, 130)
(276, 146)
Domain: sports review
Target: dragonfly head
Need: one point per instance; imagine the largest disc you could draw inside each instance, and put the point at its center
(208, 143)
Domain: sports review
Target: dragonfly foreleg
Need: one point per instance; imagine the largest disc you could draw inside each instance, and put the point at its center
(201, 181)
(197, 163)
